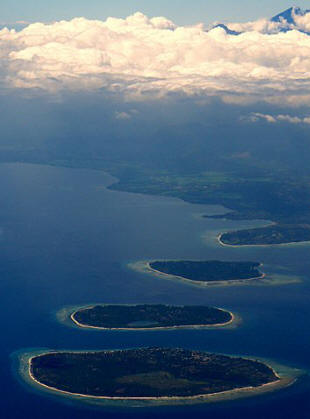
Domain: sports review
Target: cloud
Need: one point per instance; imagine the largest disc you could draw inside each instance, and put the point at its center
(292, 19)
(122, 115)
(255, 117)
(126, 115)
(303, 22)
(264, 26)
(143, 56)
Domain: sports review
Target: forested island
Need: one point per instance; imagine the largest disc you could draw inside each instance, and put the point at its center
(150, 373)
(149, 316)
(208, 271)
(273, 234)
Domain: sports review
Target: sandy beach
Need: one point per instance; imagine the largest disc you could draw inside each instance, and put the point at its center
(270, 279)
(144, 267)
(234, 320)
(300, 243)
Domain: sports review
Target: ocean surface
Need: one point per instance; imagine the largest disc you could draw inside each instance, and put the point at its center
(66, 240)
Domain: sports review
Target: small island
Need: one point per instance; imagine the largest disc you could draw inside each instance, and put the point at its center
(208, 271)
(150, 316)
(151, 374)
(274, 234)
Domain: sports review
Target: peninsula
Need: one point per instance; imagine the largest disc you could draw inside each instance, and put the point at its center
(150, 316)
(149, 373)
(208, 271)
(269, 235)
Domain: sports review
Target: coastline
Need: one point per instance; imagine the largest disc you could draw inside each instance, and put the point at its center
(144, 267)
(206, 282)
(219, 237)
(285, 379)
(233, 321)
(263, 280)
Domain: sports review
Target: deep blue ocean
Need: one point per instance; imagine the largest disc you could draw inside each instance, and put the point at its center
(66, 240)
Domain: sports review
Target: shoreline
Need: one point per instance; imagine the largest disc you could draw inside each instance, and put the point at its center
(232, 321)
(273, 279)
(144, 266)
(282, 382)
(219, 237)
(206, 282)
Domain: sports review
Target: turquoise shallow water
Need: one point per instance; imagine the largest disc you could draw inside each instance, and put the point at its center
(66, 240)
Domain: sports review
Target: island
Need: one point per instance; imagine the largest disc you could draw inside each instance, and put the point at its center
(150, 316)
(270, 235)
(208, 271)
(149, 373)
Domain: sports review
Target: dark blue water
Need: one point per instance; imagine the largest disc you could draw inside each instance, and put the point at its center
(66, 240)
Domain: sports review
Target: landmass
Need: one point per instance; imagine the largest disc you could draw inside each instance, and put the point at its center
(254, 196)
(266, 179)
(208, 271)
(278, 277)
(250, 188)
(269, 235)
(281, 197)
(150, 316)
(150, 373)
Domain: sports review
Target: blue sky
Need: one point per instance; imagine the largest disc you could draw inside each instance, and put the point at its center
(181, 11)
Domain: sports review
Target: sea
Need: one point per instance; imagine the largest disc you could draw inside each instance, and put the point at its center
(66, 240)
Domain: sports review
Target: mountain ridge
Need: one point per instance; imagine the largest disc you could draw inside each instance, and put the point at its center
(285, 20)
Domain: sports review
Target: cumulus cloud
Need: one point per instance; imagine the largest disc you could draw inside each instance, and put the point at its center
(141, 56)
(264, 26)
(255, 117)
(302, 22)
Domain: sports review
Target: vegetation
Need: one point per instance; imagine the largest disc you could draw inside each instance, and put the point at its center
(266, 179)
(208, 270)
(282, 198)
(149, 316)
(147, 372)
(274, 234)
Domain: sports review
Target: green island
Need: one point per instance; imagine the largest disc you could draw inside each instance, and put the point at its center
(150, 316)
(273, 234)
(208, 271)
(150, 373)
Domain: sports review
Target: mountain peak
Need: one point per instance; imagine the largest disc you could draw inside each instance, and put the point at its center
(226, 29)
(289, 15)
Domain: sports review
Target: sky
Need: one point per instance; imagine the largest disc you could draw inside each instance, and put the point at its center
(181, 11)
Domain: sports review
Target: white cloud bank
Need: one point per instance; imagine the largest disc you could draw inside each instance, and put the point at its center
(138, 55)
